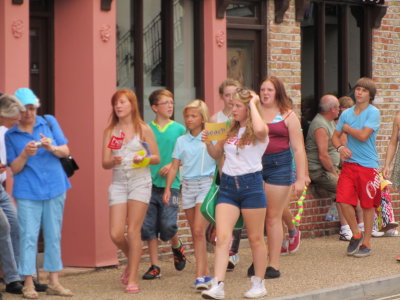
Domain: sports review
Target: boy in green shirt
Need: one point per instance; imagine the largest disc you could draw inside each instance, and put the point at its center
(161, 219)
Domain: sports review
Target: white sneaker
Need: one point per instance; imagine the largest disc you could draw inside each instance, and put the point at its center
(257, 289)
(215, 292)
(392, 232)
(233, 261)
(377, 233)
(345, 235)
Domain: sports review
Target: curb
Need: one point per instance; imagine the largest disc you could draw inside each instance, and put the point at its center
(369, 289)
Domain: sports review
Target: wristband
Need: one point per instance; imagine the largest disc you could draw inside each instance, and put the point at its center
(340, 147)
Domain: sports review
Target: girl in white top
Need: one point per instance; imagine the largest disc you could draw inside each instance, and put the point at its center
(130, 190)
(241, 190)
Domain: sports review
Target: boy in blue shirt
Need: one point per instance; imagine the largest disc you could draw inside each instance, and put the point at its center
(161, 220)
(359, 178)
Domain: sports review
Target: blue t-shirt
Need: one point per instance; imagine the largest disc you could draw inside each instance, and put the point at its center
(196, 161)
(43, 176)
(363, 153)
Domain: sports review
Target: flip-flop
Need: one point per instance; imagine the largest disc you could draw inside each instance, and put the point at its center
(132, 289)
(398, 258)
(29, 293)
(58, 290)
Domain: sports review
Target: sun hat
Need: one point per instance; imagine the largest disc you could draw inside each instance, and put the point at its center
(27, 96)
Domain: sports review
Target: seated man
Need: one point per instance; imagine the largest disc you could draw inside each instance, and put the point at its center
(323, 159)
(10, 108)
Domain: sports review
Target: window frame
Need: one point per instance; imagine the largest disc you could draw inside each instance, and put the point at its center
(320, 52)
(168, 50)
(257, 25)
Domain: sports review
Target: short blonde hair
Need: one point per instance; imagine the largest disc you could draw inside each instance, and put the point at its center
(201, 106)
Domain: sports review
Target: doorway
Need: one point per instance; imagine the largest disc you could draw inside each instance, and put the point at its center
(246, 26)
(41, 53)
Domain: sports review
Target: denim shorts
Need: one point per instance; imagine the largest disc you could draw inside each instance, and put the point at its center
(194, 191)
(160, 220)
(243, 191)
(278, 168)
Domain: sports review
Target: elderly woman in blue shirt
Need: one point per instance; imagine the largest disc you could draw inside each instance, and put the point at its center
(34, 148)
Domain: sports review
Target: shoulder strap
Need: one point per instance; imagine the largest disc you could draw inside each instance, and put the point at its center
(288, 115)
(48, 123)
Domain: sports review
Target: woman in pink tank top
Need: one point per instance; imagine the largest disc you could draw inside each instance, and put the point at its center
(278, 172)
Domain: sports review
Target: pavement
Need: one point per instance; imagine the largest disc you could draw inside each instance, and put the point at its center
(319, 270)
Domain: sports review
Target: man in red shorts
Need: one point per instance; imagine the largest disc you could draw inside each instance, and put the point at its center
(359, 178)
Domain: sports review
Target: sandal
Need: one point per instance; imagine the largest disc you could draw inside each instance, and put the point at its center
(132, 289)
(124, 277)
(29, 292)
(58, 290)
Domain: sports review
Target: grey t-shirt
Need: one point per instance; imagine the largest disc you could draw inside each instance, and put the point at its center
(311, 146)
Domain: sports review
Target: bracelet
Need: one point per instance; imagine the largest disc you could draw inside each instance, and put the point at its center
(340, 147)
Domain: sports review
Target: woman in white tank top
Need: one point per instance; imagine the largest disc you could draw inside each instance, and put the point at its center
(129, 147)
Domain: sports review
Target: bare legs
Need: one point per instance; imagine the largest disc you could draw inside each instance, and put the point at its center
(136, 213)
(278, 198)
(118, 213)
(153, 248)
(198, 226)
(227, 216)
(368, 216)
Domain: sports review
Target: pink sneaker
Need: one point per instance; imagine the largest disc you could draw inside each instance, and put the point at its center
(294, 242)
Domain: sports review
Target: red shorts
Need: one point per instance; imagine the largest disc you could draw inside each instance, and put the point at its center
(359, 183)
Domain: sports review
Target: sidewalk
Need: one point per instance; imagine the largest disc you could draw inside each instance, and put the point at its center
(321, 263)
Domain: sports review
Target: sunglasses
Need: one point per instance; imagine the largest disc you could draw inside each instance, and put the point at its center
(243, 93)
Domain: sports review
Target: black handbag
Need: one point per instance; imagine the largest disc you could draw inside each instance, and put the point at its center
(68, 163)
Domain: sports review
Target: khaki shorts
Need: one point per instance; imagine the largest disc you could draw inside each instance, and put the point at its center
(130, 185)
(325, 180)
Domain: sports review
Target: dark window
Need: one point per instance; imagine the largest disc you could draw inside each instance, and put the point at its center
(336, 51)
(156, 48)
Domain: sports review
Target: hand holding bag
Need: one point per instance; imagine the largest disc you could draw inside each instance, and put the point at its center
(68, 163)
(210, 201)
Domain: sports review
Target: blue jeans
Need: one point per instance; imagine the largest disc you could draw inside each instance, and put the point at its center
(161, 219)
(9, 238)
(31, 215)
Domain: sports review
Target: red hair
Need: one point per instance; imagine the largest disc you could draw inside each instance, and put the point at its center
(136, 118)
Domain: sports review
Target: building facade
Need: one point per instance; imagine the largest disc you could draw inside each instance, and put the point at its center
(75, 54)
